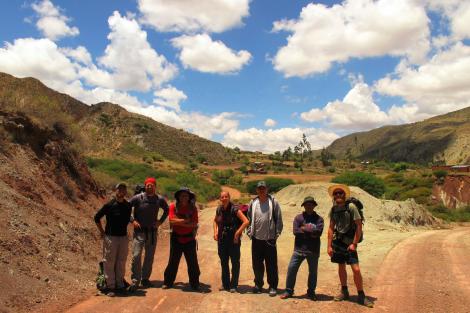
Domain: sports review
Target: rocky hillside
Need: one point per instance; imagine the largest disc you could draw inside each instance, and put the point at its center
(48, 243)
(441, 138)
(105, 129)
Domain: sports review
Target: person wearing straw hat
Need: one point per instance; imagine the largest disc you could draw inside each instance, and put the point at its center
(344, 234)
(307, 228)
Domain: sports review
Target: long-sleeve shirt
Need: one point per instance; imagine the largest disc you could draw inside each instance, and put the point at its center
(146, 210)
(308, 242)
(265, 219)
(117, 217)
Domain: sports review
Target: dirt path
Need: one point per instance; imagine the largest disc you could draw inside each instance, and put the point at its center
(426, 273)
(429, 276)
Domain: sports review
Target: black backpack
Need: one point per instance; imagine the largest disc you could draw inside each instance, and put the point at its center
(234, 220)
(352, 228)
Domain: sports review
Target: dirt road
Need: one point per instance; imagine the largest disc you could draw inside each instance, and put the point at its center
(423, 273)
(426, 273)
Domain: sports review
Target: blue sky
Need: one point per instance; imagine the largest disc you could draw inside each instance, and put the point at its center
(253, 74)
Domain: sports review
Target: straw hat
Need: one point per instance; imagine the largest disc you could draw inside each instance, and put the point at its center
(345, 188)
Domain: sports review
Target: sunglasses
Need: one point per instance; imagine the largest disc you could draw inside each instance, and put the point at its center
(338, 193)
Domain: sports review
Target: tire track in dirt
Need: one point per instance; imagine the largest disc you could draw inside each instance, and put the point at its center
(426, 273)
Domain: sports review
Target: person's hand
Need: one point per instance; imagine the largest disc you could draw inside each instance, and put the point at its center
(330, 251)
(136, 224)
(236, 238)
(216, 237)
(352, 247)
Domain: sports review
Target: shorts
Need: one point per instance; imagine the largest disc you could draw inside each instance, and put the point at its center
(342, 255)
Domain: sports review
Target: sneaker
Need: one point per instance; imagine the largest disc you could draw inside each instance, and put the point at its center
(256, 290)
(362, 300)
(233, 290)
(272, 292)
(286, 295)
(166, 286)
(110, 293)
(342, 296)
(146, 283)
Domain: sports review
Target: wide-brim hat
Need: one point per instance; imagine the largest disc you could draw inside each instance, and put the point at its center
(345, 188)
(309, 199)
(192, 196)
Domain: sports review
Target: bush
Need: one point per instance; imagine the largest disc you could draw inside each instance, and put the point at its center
(274, 184)
(420, 194)
(440, 174)
(222, 176)
(331, 169)
(368, 182)
(399, 167)
(235, 180)
(203, 189)
(457, 215)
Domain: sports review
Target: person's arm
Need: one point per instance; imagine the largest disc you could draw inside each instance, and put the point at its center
(134, 204)
(357, 235)
(164, 205)
(98, 217)
(318, 230)
(279, 224)
(216, 228)
(330, 237)
(297, 226)
(176, 221)
(240, 229)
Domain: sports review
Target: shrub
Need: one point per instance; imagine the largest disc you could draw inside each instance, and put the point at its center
(440, 174)
(420, 194)
(399, 167)
(222, 176)
(235, 180)
(204, 190)
(274, 184)
(457, 215)
(367, 181)
(331, 169)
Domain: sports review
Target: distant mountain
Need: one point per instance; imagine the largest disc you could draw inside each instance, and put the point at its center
(105, 129)
(444, 138)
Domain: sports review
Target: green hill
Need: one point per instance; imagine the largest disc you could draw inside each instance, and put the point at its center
(444, 138)
(105, 130)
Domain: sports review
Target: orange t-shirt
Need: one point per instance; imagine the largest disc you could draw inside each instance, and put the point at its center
(183, 213)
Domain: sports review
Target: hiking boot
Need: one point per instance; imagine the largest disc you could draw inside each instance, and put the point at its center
(256, 290)
(146, 283)
(362, 300)
(312, 296)
(272, 292)
(286, 295)
(166, 286)
(132, 288)
(342, 296)
(110, 293)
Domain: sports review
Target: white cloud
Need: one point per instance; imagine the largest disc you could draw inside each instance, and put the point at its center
(51, 22)
(191, 16)
(354, 29)
(79, 54)
(270, 122)
(458, 13)
(357, 111)
(440, 85)
(201, 53)
(169, 97)
(276, 139)
(39, 58)
(134, 64)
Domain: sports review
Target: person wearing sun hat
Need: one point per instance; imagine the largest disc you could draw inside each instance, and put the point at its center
(344, 234)
(307, 228)
(145, 221)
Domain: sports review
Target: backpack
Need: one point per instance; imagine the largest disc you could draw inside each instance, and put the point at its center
(139, 189)
(352, 226)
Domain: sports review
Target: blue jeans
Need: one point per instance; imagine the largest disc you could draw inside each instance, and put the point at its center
(295, 262)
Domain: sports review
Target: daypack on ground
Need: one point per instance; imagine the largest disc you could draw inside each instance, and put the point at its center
(100, 278)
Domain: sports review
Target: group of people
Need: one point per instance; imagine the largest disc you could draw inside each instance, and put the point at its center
(262, 223)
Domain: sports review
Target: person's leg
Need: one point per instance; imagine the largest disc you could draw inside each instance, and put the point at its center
(190, 254)
(150, 246)
(173, 262)
(312, 274)
(123, 249)
(223, 251)
(293, 268)
(137, 246)
(357, 276)
(271, 265)
(343, 278)
(109, 261)
(257, 259)
(235, 259)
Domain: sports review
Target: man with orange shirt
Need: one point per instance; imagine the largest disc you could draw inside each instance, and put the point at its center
(184, 222)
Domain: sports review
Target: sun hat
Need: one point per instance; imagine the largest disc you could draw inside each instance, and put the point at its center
(344, 188)
(309, 199)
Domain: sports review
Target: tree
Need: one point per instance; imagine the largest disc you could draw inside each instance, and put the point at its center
(325, 157)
